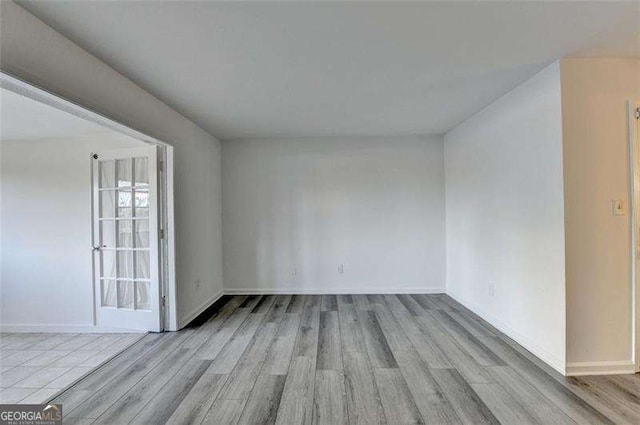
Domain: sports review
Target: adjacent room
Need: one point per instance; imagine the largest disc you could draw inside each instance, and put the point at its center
(47, 260)
(320, 212)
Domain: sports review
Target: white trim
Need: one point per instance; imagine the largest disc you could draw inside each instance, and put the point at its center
(539, 352)
(615, 367)
(634, 175)
(32, 91)
(202, 307)
(65, 329)
(330, 291)
(170, 245)
(92, 182)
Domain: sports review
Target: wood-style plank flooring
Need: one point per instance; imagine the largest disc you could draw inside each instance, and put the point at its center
(342, 359)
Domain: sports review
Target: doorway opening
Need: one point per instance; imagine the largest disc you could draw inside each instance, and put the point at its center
(112, 190)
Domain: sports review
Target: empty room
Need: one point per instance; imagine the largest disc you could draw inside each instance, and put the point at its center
(319, 212)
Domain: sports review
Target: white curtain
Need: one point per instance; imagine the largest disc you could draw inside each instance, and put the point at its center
(108, 293)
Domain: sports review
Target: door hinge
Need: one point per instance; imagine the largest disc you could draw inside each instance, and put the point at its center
(638, 113)
(161, 166)
(161, 233)
(164, 301)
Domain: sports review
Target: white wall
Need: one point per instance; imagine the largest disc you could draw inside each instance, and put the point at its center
(293, 210)
(505, 218)
(46, 261)
(31, 50)
(596, 171)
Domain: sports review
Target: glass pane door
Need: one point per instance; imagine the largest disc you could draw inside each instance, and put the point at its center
(125, 218)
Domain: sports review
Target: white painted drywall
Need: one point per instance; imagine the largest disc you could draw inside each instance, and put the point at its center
(46, 263)
(596, 171)
(294, 210)
(31, 50)
(505, 217)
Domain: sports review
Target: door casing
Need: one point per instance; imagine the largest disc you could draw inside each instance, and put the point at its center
(634, 164)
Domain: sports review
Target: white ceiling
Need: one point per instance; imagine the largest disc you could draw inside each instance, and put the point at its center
(264, 69)
(22, 118)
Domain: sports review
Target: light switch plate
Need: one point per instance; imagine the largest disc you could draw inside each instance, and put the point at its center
(618, 207)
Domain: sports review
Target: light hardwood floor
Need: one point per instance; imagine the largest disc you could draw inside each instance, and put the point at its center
(345, 359)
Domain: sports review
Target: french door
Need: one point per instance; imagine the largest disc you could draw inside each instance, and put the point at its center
(125, 237)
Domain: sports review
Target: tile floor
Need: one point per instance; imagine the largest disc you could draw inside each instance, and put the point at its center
(36, 366)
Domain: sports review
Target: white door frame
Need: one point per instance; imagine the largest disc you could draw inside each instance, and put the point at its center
(634, 163)
(168, 290)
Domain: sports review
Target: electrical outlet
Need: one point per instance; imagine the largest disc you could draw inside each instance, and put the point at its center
(492, 289)
(197, 284)
(341, 268)
(294, 271)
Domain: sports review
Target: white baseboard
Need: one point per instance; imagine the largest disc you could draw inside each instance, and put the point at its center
(184, 321)
(330, 291)
(542, 354)
(64, 329)
(615, 367)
